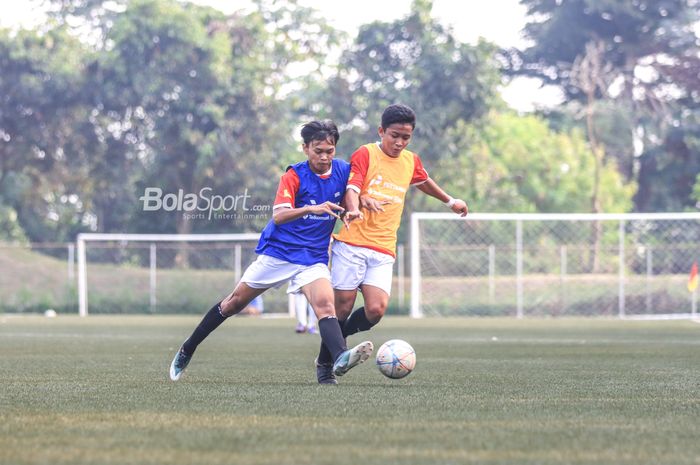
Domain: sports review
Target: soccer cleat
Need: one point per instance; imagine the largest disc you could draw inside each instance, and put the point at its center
(178, 365)
(300, 329)
(312, 330)
(352, 357)
(324, 373)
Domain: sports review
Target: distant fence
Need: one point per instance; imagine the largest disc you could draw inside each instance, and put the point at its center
(624, 265)
(152, 275)
(481, 265)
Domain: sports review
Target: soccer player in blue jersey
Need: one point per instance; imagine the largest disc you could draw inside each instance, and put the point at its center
(294, 247)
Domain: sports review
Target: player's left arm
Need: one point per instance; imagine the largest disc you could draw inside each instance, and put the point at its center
(431, 188)
(426, 184)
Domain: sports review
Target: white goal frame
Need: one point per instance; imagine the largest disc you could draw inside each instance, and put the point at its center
(417, 312)
(99, 237)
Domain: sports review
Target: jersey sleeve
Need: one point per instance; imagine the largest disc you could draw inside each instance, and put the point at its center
(359, 165)
(419, 173)
(287, 189)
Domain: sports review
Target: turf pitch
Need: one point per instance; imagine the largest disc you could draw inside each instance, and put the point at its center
(485, 391)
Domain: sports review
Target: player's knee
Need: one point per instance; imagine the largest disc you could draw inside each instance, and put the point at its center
(342, 314)
(323, 308)
(375, 311)
(232, 306)
(344, 304)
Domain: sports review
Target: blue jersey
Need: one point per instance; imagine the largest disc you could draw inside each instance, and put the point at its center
(305, 240)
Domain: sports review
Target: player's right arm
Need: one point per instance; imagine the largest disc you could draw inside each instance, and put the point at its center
(283, 210)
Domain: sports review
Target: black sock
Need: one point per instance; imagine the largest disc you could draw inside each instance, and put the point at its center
(324, 355)
(357, 322)
(332, 336)
(209, 323)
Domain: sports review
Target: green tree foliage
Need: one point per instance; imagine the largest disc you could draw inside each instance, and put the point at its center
(651, 52)
(44, 133)
(165, 79)
(415, 61)
(163, 94)
(635, 33)
(199, 95)
(669, 173)
(514, 163)
(696, 192)
(107, 98)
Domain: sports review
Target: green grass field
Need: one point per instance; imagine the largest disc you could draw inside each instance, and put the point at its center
(485, 391)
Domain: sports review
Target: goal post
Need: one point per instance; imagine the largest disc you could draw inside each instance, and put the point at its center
(622, 265)
(177, 273)
(120, 259)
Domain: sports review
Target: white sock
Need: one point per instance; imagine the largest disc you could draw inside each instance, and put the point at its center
(313, 321)
(300, 304)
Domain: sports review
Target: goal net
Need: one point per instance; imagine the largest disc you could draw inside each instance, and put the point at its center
(624, 265)
(165, 273)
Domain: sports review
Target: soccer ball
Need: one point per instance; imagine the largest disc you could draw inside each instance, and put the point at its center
(396, 358)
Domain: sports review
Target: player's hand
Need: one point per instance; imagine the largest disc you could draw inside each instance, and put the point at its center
(350, 216)
(373, 205)
(460, 207)
(326, 207)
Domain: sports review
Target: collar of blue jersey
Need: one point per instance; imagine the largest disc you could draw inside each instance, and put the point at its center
(327, 173)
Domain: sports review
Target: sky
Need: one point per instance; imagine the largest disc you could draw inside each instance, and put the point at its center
(499, 21)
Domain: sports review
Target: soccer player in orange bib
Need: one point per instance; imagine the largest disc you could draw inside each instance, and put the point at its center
(363, 254)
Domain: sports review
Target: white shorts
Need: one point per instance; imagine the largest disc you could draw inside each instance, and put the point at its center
(266, 272)
(352, 266)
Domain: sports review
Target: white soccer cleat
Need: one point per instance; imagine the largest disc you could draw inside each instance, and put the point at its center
(178, 365)
(352, 357)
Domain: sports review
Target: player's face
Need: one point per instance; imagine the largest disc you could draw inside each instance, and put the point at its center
(320, 153)
(395, 138)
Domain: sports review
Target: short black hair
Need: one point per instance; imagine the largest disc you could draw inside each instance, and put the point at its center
(320, 130)
(398, 113)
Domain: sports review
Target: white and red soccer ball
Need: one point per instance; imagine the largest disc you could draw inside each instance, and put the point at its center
(396, 358)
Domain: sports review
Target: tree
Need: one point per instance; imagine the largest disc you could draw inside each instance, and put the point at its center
(116, 96)
(634, 33)
(696, 192)
(669, 173)
(517, 163)
(592, 76)
(44, 134)
(651, 49)
(415, 61)
(194, 95)
(418, 62)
